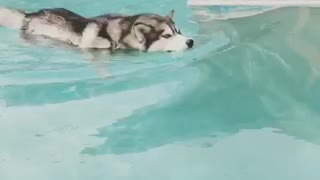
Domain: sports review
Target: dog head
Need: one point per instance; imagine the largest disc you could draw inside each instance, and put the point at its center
(159, 33)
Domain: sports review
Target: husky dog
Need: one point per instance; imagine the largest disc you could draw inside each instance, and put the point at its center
(144, 32)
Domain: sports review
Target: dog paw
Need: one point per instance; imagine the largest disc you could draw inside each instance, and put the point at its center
(104, 74)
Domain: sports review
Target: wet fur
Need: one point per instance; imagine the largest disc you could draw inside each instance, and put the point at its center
(110, 31)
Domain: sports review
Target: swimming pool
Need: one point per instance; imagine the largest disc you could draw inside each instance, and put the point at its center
(243, 104)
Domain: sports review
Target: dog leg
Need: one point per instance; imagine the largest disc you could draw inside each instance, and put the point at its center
(89, 35)
(29, 39)
(97, 58)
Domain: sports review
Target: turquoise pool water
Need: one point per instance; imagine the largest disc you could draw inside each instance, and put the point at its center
(242, 105)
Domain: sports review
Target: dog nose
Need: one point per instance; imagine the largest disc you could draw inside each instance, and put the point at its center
(190, 43)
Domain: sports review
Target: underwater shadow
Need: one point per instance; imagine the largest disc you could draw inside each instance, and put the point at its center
(261, 82)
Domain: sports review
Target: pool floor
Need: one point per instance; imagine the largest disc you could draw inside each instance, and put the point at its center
(243, 104)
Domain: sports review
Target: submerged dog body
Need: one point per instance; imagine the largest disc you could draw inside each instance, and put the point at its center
(145, 32)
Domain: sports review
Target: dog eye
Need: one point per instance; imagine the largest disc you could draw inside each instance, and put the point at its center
(167, 36)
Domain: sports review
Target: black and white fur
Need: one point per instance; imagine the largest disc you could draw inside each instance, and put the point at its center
(145, 32)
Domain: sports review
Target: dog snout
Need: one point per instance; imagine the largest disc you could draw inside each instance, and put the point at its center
(190, 43)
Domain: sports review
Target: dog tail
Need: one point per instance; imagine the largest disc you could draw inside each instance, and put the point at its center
(11, 18)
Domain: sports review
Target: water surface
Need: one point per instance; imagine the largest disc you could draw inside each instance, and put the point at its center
(243, 104)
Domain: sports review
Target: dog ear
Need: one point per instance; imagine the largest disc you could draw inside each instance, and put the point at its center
(139, 30)
(171, 14)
